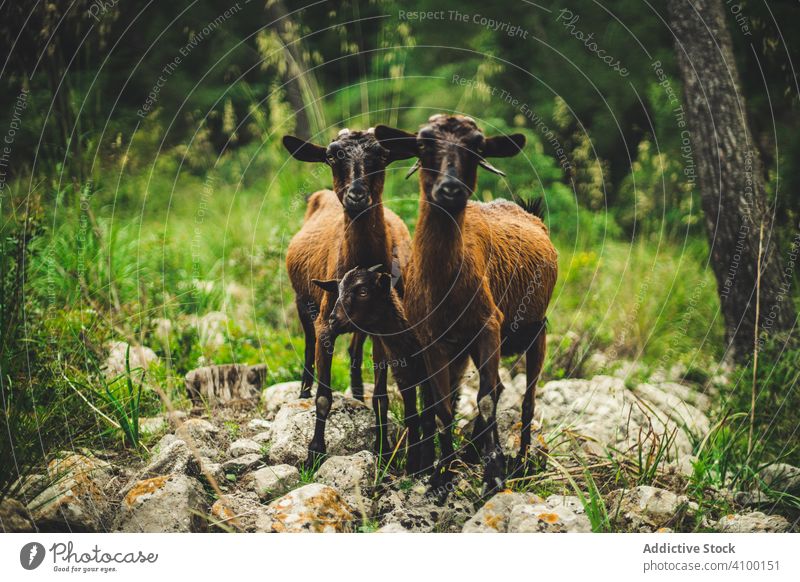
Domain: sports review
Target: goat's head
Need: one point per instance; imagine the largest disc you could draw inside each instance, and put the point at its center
(450, 148)
(358, 163)
(362, 298)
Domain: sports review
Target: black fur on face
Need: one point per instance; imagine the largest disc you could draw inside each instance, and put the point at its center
(362, 296)
(357, 161)
(450, 148)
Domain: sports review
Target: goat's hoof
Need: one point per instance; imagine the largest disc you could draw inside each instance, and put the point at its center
(305, 393)
(314, 460)
(358, 392)
(493, 474)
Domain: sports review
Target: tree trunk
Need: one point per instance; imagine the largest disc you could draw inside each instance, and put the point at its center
(729, 177)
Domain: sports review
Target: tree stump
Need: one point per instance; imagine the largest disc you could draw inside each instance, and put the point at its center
(226, 384)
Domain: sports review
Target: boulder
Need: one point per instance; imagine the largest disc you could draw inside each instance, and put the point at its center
(603, 409)
(167, 503)
(755, 522)
(226, 384)
(350, 429)
(312, 508)
(646, 509)
(275, 480)
(140, 358)
(76, 497)
(354, 477)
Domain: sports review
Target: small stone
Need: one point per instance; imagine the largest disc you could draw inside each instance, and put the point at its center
(755, 522)
(242, 447)
(312, 508)
(167, 503)
(242, 464)
(275, 480)
(259, 424)
(262, 437)
(174, 457)
(156, 424)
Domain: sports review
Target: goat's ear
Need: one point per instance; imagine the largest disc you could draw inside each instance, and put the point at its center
(401, 144)
(305, 151)
(503, 146)
(331, 286)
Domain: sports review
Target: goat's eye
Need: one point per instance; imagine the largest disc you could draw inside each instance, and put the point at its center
(331, 159)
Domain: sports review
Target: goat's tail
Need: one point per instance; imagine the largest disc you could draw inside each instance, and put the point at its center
(534, 206)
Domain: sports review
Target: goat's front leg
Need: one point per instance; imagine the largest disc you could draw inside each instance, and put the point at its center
(486, 353)
(356, 353)
(324, 398)
(380, 400)
(439, 381)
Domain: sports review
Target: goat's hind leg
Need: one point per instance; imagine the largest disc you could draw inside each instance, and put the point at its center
(380, 400)
(534, 361)
(305, 310)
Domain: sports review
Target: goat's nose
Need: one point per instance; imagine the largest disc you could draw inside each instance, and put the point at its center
(450, 188)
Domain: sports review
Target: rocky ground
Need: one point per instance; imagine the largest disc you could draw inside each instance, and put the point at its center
(235, 464)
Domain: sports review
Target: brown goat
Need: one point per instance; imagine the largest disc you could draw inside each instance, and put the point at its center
(367, 302)
(479, 281)
(343, 229)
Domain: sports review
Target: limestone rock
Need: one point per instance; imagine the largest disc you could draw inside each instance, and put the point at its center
(140, 358)
(350, 429)
(755, 522)
(77, 495)
(237, 512)
(241, 447)
(646, 509)
(242, 464)
(494, 516)
(274, 397)
(275, 480)
(353, 477)
(782, 477)
(546, 518)
(312, 508)
(167, 503)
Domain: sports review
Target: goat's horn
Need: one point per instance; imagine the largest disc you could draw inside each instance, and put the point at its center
(413, 169)
(487, 166)
(374, 268)
(342, 132)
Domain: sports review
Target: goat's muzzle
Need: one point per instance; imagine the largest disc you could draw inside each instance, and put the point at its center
(450, 194)
(356, 199)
